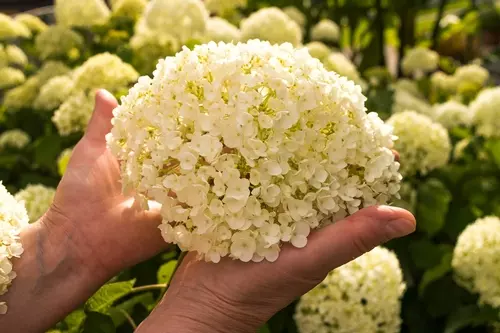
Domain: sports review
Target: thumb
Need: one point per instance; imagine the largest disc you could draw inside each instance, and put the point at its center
(100, 123)
(339, 243)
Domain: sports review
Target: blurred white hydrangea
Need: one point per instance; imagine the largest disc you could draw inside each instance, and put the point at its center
(325, 30)
(129, 8)
(409, 86)
(452, 114)
(54, 93)
(10, 28)
(11, 77)
(449, 19)
(475, 259)
(318, 50)
(63, 160)
(149, 47)
(33, 23)
(224, 7)
(472, 74)
(15, 138)
(57, 42)
(104, 71)
(37, 199)
(295, 14)
(220, 30)
(419, 60)
(272, 25)
(74, 114)
(444, 82)
(16, 56)
(183, 19)
(341, 65)
(405, 100)
(259, 147)
(363, 296)
(423, 145)
(486, 112)
(13, 218)
(86, 13)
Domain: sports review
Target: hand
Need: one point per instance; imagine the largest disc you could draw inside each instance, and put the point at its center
(235, 297)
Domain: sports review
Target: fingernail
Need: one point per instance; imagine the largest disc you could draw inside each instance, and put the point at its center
(400, 227)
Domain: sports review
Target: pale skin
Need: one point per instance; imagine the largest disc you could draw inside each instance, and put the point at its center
(92, 232)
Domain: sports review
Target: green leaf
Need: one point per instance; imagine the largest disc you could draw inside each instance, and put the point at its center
(75, 320)
(165, 272)
(264, 329)
(107, 295)
(128, 306)
(432, 206)
(470, 316)
(426, 254)
(47, 149)
(493, 146)
(98, 323)
(436, 272)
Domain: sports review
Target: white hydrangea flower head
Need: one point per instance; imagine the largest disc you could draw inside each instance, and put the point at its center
(149, 47)
(16, 56)
(57, 42)
(475, 259)
(363, 296)
(183, 19)
(104, 71)
(486, 112)
(325, 30)
(473, 74)
(272, 25)
(405, 100)
(449, 19)
(220, 30)
(341, 65)
(318, 50)
(63, 160)
(295, 14)
(444, 82)
(54, 93)
(423, 145)
(13, 218)
(74, 114)
(71, 13)
(409, 86)
(419, 60)
(452, 114)
(10, 28)
(259, 143)
(37, 200)
(33, 23)
(15, 138)
(224, 7)
(11, 77)
(129, 8)
(4, 61)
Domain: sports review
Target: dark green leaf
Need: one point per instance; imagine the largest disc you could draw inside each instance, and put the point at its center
(470, 316)
(98, 323)
(107, 295)
(264, 329)
(493, 147)
(75, 320)
(165, 272)
(47, 150)
(436, 272)
(128, 306)
(432, 206)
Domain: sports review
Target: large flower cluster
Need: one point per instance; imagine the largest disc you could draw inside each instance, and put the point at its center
(74, 114)
(295, 14)
(11, 77)
(183, 19)
(475, 259)
(259, 143)
(341, 65)
(410, 87)
(423, 144)
(54, 93)
(452, 114)
(13, 218)
(224, 7)
(149, 47)
(15, 138)
(129, 8)
(220, 30)
(325, 30)
(10, 28)
(16, 56)
(86, 13)
(318, 50)
(472, 74)
(37, 199)
(272, 25)
(420, 60)
(486, 112)
(33, 23)
(57, 42)
(363, 296)
(443, 82)
(405, 99)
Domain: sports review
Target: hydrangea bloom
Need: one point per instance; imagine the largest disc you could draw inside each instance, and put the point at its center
(486, 112)
(63, 160)
(363, 296)
(224, 7)
(220, 30)
(409, 86)
(15, 138)
(472, 74)
(452, 114)
(37, 199)
(340, 64)
(11, 77)
(295, 14)
(423, 144)
(16, 56)
(129, 8)
(325, 30)
(444, 82)
(271, 24)
(104, 71)
(10, 28)
(420, 60)
(74, 114)
(3, 57)
(54, 93)
(13, 218)
(259, 143)
(57, 42)
(149, 47)
(33, 23)
(475, 259)
(183, 19)
(405, 100)
(318, 50)
(87, 13)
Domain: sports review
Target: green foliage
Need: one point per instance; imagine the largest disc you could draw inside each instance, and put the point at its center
(107, 295)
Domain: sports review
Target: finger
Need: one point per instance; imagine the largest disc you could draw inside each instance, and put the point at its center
(100, 123)
(339, 243)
